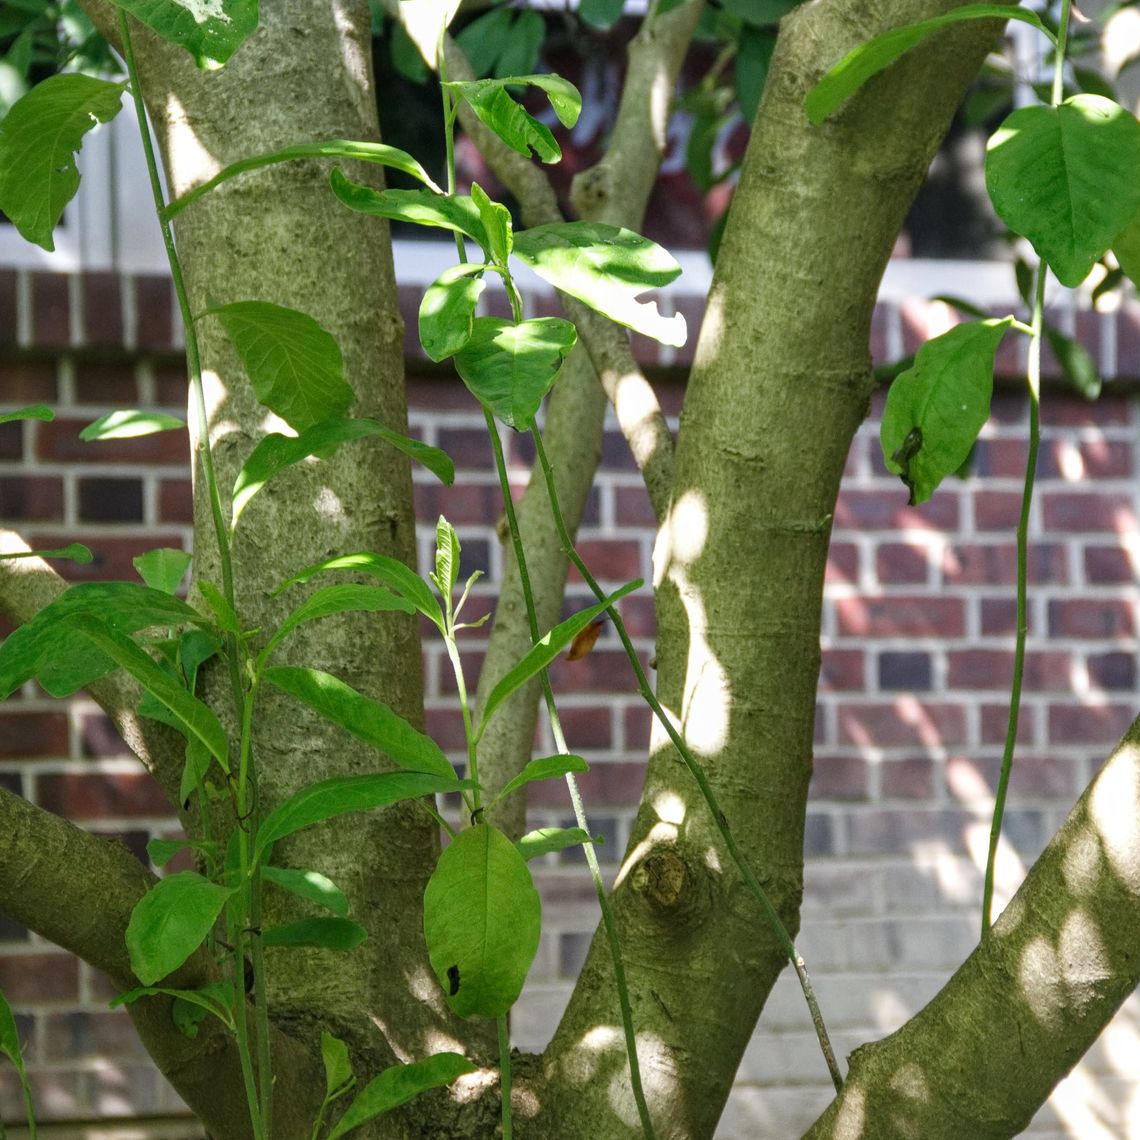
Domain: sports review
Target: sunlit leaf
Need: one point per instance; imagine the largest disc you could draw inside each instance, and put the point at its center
(565, 99)
(545, 768)
(549, 839)
(31, 412)
(128, 424)
(425, 22)
(309, 885)
(509, 120)
(210, 30)
(163, 569)
(75, 551)
(448, 310)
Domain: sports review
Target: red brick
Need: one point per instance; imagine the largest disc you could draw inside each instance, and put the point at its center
(911, 779)
(35, 979)
(11, 440)
(1045, 671)
(616, 455)
(438, 393)
(1004, 457)
(1075, 411)
(874, 510)
(113, 557)
(880, 324)
(838, 777)
(445, 727)
(1107, 458)
(99, 739)
(459, 504)
(1055, 777)
(1106, 565)
(610, 560)
(588, 728)
(51, 310)
(171, 384)
(997, 510)
(637, 721)
(1009, 409)
(602, 671)
(60, 441)
(902, 563)
(102, 308)
(842, 563)
(469, 448)
(102, 499)
(7, 307)
(905, 721)
(1113, 671)
(110, 795)
(1089, 724)
(995, 563)
(25, 735)
(29, 497)
(85, 1033)
(30, 382)
(995, 720)
(999, 616)
(175, 501)
(605, 784)
(105, 384)
(632, 508)
(1091, 618)
(154, 304)
(901, 617)
(1088, 511)
(841, 669)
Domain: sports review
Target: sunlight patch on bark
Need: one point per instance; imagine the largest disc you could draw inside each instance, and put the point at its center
(1009, 870)
(1114, 808)
(1041, 984)
(1084, 961)
(660, 834)
(1081, 865)
(328, 506)
(850, 1119)
(911, 1081)
(195, 163)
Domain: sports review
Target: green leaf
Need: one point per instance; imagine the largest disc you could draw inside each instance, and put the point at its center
(1076, 364)
(448, 310)
(544, 768)
(196, 719)
(509, 120)
(600, 14)
(324, 933)
(405, 56)
(294, 365)
(398, 1085)
(753, 57)
(761, 13)
(39, 138)
(509, 368)
(163, 569)
(214, 997)
(481, 921)
(74, 551)
(1126, 247)
(198, 760)
(310, 885)
(544, 652)
(368, 720)
(936, 408)
(276, 452)
(521, 47)
(210, 30)
(170, 922)
(344, 597)
(425, 22)
(32, 412)
(161, 851)
(341, 794)
(548, 839)
(1067, 178)
(607, 268)
(128, 424)
(60, 657)
(565, 99)
(484, 39)
(454, 212)
(447, 550)
(391, 572)
(10, 1036)
(496, 221)
(861, 63)
(338, 1067)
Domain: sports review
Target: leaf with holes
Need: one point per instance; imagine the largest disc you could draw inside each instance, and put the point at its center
(481, 919)
(294, 365)
(1067, 178)
(210, 30)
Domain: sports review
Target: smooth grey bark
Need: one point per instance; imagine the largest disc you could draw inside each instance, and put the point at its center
(781, 381)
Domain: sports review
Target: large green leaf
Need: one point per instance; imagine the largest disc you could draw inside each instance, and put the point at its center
(170, 922)
(481, 920)
(324, 933)
(309, 885)
(163, 569)
(565, 98)
(391, 572)
(508, 119)
(344, 597)
(448, 310)
(398, 1085)
(509, 367)
(1126, 247)
(368, 720)
(936, 408)
(194, 718)
(859, 64)
(1067, 178)
(60, 657)
(276, 452)
(210, 30)
(128, 424)
(605, 267)
(547, 839)
(342, 794)
(455, 212)
(294, 365)
(39, 138)
(545, 768)
(543, 652)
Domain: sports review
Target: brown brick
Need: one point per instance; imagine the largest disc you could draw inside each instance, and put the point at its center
(995, 720)
(588, 728)
(29, 382)
(1107, 565)
(175, 501)
(83, 797)
(439, 393)
(1045, 670)
(842, 563)
(841, 670)
(995, 563)
(1075, 411)
(31, 497)
(880, 323)
(901, 722)
(51, 310)
(99, 739)
(999, 616)
(1107, 458)
(1009, 409)
(911, 779)
(1112, 670)
(632, 507)
(616, 455)
(445, 727)
(610, 560)
(26, 735)
(34, 979)
(901, 617)
(1091, 618)
(469, 448)
(85, 1033)
(171, 384)
(102, 308)
(997, 510)
(154, 304)
(902, 563)
(839, 776)
(610, 784)
(8, 323)
(113, 557)
(874, 510)
(1089, 724)
(11, 440)
(105, 383)
(460, 503)
(637, 721)
(1092, 511)
(110, 500)
(60, 441)
(603, 670)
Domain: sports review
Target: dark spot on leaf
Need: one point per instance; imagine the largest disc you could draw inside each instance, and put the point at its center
(453, 980)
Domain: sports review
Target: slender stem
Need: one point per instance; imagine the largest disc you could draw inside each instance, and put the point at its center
(608, 922)
(698, 774)
(1033, 380)
(505, 1073)
(465, 706)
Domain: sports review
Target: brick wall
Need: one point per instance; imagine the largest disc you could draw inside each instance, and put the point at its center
(917, 637)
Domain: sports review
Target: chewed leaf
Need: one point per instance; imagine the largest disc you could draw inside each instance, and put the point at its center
(565, 99)
(210, 30)
(607, 268)
(508, 119)
(39, 138)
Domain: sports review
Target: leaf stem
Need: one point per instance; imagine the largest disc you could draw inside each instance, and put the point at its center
(505, 1073)
(608, 922)
(698, 774)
